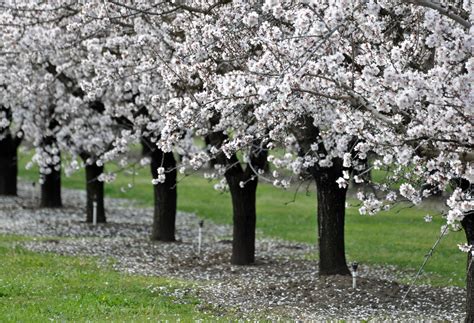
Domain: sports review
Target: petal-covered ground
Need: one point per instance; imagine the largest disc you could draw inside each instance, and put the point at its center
(283, 283)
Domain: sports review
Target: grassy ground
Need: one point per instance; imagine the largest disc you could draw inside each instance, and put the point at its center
(398, 237)
(46, 287)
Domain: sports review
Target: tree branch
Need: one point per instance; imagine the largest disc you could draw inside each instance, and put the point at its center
(445, 11)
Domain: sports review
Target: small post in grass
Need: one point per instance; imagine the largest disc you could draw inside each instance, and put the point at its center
(354, 274)
(201, 225)
(94, 213)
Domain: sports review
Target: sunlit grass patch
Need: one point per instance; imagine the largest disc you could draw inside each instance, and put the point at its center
(43, 287)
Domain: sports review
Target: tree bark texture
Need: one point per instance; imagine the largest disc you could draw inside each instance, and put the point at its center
(468, 225)
(51, 189)
(331, 203)
(165, 194)
(51, 185)
(8, 165)
(243, 198)
(331, 215)
(244, 219)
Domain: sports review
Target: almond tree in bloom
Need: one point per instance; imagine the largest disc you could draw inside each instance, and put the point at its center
(38, 120)
(398, 77)
(243, 62)
(123, 53)
(11, 137)
(196, 65)
(416, 88)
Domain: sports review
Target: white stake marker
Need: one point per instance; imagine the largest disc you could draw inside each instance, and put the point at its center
(94, 213)
(201, 224)
(354, 274)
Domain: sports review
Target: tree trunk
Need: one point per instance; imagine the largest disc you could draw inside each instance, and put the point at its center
(468, 225)
(330, 215)
(243, 198)
(165, 196)
(244, 219)
(95, 193)
(8, 166)
(51, 189)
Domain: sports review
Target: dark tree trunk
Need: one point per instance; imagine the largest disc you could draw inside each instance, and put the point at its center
(95, 193)
(468, 225)
(330, 215)
(244, 218)
(8, 165)
(243, 198)
(331, 203)
(165, 196)
(51, 189)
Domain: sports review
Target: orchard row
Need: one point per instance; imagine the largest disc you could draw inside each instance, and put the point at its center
(310, 88)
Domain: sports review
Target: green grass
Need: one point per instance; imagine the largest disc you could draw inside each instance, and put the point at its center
(399, 237)
(46, 287)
